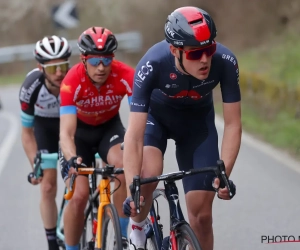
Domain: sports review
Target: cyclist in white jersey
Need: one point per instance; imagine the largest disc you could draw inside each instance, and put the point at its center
(40, 100)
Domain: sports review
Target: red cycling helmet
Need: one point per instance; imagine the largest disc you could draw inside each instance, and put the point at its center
(190, 26)
(97, 41)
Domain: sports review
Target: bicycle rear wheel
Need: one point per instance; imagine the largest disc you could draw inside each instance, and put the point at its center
(186, 238)
(111, 229)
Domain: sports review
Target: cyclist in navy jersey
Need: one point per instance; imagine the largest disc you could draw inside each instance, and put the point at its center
(172, 99)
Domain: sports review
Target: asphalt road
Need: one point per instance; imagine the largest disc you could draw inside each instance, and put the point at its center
(266, 204)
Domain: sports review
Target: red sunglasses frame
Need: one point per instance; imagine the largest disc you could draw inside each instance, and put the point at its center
(208, 50)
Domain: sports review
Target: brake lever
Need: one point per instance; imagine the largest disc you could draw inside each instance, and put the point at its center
(135, 192)
(224, 179)
(37, 163)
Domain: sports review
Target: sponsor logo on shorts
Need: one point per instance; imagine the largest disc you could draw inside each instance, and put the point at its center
(113, 138)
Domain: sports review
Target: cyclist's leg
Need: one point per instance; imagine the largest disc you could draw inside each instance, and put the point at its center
(155, 143)
(200, 149)
(74, 211)
(110, 151)
(46, 134)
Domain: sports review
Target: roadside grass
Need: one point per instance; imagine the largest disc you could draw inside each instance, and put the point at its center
(279, 62)
(281, 131)
(275, 63)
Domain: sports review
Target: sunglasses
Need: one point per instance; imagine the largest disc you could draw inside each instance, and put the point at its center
(52, 68)
(95, 61)
(196, 54)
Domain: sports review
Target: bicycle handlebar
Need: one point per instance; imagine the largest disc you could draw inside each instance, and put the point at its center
(219, 170)
(40, 157)
(108, 171)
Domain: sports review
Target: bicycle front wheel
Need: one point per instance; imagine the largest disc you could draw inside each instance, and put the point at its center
(111, 229)
(186, 238)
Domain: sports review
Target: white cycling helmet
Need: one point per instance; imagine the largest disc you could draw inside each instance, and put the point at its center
(52, 47)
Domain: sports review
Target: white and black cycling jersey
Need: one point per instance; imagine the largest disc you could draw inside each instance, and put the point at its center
(36, 99)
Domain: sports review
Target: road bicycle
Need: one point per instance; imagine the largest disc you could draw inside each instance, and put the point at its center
(91, 209)
(102, 211)
(181, 235)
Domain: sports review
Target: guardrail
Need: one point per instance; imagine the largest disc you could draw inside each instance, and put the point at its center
(129, 41)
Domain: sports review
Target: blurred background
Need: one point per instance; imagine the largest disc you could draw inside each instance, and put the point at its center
(264, 35)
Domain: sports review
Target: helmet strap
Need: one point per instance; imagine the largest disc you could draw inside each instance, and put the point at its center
(181, 63)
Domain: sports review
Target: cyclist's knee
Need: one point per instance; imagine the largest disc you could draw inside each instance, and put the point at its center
(148, 189)
(202, 221)
(48, 189)
(117, 162)
(78, 202)
(121, 178)
(200, 209)
(80, 196)
(202, 218)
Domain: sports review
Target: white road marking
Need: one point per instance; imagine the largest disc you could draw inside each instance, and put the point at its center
(7, 144)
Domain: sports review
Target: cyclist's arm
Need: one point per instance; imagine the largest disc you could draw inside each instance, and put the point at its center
(231, 112)
(68, 115)
(232, 134)
(27, 98)
(133, 146)
(143, 84)
(68, 123)
(29, 143)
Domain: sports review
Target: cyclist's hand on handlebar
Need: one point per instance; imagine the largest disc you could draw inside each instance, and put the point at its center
(73, 162)
(70, 167)
(33, 180)
(129, 208)
(223, 193)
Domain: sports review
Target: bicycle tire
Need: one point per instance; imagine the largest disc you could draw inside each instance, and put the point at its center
(110, 215)
(185, 233)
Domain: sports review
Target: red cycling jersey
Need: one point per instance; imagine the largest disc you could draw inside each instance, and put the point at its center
(79, 95)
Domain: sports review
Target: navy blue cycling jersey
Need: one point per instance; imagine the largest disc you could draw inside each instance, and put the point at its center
(157, 79)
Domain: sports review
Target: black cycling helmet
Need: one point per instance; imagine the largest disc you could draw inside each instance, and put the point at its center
(97, 41)
(190, 26)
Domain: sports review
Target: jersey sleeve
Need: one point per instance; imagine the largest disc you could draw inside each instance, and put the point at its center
(230, 78)
(69, 91)
(127, 81)
(144, 82)
(28, 96)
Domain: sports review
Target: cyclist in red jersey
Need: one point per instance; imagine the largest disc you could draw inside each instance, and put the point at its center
(91, 94)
